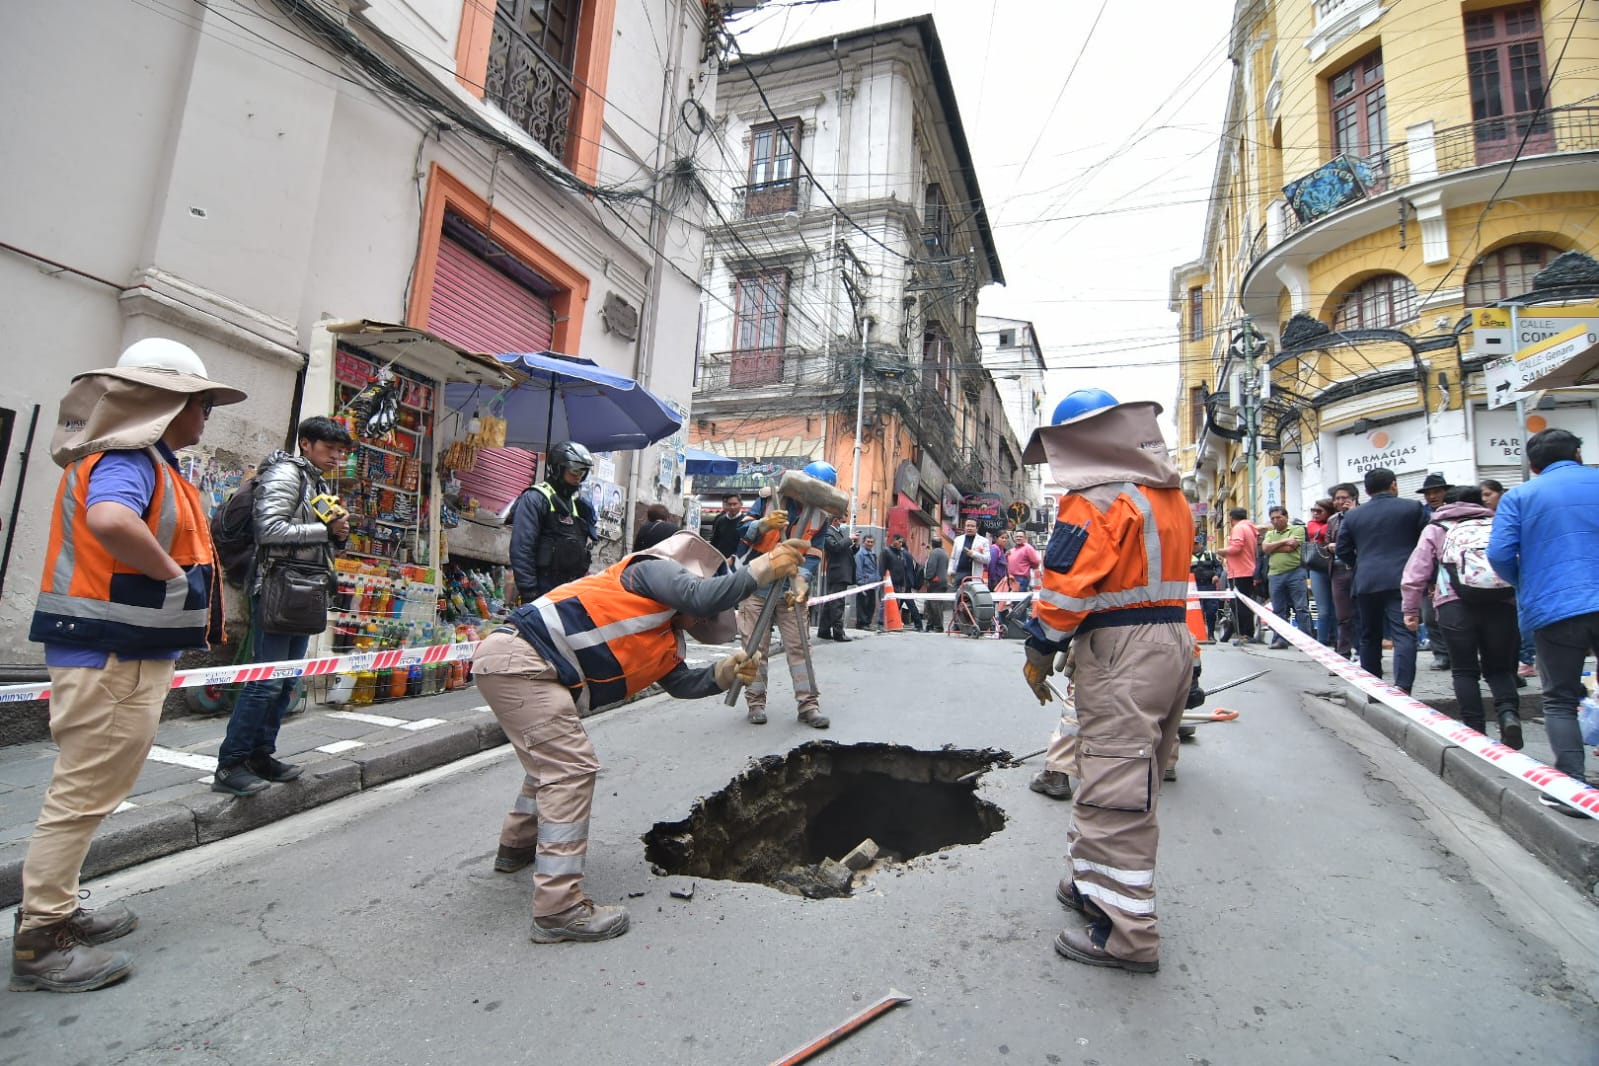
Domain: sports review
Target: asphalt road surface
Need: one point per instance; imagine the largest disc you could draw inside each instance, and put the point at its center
(1322, 900)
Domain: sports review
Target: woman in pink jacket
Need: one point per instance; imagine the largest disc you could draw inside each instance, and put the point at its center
(1481, 630)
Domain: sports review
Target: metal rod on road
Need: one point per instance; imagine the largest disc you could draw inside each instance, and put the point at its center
(828, 1039)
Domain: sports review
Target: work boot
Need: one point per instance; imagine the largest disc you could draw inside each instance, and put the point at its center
(582, 922)
(100, 925)
(508, 860)
(1170, 773)
(1052, 783)
(1087, 944)
(57, 958)
(1066, 892)
(1510, 729)
(238, 780)
(814, 718)
(1187, 732)
(275, 770)
(838, 635)
(756, 716)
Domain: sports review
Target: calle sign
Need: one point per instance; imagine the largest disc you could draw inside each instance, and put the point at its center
(1507, 379)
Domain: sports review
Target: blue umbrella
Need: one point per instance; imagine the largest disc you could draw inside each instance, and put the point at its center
(569, 398)
(700, 461)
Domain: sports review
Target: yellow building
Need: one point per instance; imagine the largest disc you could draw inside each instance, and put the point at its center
(1384, 167)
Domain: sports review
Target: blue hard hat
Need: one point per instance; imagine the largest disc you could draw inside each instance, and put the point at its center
(821, 471)
(1079, 403)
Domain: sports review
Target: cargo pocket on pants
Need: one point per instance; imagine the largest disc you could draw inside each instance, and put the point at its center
(1117, 774)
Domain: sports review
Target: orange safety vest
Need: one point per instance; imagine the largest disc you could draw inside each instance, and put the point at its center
(88, 599)
(1124, 565)
(605, 642)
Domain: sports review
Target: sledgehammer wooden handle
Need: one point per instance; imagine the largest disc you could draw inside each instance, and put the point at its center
(758, 635)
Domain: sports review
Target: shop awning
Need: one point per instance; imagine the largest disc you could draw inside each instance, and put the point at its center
(423, 351)
(700, 461)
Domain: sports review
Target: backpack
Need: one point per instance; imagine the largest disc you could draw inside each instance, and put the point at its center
(233, 533)
(1463, 555)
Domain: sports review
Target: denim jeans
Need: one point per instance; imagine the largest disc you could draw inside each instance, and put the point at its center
(253, 727)
(1288, 592)
(1562, 647)
(1326, 610)
(1381, 616)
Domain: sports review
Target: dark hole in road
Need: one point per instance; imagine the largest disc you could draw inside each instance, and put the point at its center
(788, 819)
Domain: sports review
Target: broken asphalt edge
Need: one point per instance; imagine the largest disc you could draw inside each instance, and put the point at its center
(192, 815)
(1569, 846)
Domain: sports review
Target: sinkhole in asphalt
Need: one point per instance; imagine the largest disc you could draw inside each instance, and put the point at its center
(789, 821)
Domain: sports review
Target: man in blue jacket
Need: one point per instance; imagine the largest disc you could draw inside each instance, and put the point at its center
(1545, 539)
(1381, 534)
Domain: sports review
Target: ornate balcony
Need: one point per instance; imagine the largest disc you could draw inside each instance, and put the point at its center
(758, 368)
(529, 86)
(772, 198)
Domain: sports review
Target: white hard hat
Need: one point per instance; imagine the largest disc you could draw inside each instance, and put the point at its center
(170, 366)
(160, 353)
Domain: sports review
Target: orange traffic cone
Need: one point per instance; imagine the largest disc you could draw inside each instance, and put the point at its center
(1196, 618)
(891, 619)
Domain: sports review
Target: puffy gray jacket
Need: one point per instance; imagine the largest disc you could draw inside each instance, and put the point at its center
(285, 525)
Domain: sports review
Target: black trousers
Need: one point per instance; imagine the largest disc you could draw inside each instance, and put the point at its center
(865, 609)
(1562, 647)
(832, 623)
(1483, 640)
(1244, 586)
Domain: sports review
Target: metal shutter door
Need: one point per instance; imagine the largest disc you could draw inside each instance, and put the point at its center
(482, 310)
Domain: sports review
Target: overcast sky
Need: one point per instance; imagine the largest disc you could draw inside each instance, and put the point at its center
(1095, 169)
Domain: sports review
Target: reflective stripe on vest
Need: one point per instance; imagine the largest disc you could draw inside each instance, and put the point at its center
(610, 642)
(89, 599)
(1156, 591)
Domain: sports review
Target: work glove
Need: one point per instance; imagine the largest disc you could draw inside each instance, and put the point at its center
(741, 665)
(799, 590)
(1036, 671)
(777, 520)
(782, 561)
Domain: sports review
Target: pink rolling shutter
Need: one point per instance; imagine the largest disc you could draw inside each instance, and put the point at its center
(482, 310)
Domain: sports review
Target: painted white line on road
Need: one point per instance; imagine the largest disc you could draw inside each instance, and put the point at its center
(422, 723)
(183, 758)
(370, 719)
(340, 745)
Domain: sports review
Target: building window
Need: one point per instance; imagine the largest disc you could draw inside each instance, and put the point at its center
(1007, 338)
(936, 224)
(1386, 301)
(774, 163)
(530, 66)
(935, 363)
(1196, 314)
(1358, 106)
(759, 328)
(1508, 272)
(1197, 396)
(1504, 62)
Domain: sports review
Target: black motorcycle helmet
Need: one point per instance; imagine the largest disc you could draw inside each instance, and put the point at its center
(564, 456)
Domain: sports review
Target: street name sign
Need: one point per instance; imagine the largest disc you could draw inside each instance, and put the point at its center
(1492, 334)
(1506, 379)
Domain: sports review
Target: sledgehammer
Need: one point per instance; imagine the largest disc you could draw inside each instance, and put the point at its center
(817, 500)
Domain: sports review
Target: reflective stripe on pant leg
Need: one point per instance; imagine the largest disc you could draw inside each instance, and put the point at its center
(1131, 683)
(749, 612)
(521, 826)
(541, 721)
(788, 624)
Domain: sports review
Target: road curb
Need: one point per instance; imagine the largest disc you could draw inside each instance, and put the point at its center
(199, 816)
(1569, 846)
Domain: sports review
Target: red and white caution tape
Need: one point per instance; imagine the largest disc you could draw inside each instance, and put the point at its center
(1547, 779)
(334, 664)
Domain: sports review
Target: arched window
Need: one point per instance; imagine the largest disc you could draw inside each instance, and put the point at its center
(1386, 301)
(1507, 272)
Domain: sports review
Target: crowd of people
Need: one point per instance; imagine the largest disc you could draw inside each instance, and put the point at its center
(1479, 576)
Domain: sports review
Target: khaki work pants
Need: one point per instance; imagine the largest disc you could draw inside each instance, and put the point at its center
(103, 721)
(558, 763)
(1131, 683)
(790, 623)
(1061, 755)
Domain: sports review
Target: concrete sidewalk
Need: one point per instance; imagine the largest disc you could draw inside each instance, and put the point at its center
(344, 750)
(1568, 845)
